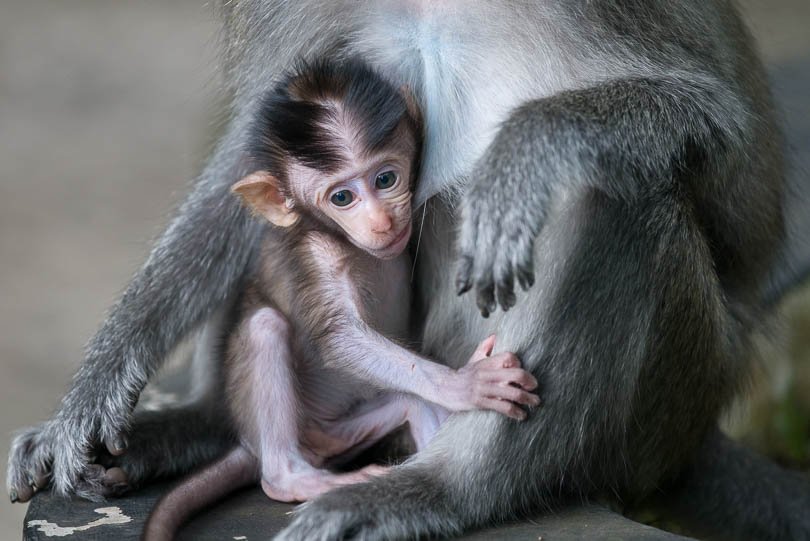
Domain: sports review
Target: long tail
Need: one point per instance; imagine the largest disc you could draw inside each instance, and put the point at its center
(233, 471)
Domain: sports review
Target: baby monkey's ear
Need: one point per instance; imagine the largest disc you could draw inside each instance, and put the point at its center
(261, 191)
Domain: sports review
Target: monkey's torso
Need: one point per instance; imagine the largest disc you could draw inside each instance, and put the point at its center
(318, 280)
(470, 63)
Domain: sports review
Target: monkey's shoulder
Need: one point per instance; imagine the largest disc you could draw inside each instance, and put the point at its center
(325, 250)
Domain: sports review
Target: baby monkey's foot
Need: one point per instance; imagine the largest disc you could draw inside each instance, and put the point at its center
(305, 485)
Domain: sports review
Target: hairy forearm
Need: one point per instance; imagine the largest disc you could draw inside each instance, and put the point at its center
(381, 362)
(193, 268)
(623, 137)
(628, 138)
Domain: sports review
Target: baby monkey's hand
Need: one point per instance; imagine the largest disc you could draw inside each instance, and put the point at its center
(494, 382)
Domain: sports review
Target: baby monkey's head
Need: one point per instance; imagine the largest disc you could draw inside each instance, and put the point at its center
(335, 144)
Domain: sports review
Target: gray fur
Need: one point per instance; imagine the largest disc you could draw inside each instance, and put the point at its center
(191, 271)
(622, 153)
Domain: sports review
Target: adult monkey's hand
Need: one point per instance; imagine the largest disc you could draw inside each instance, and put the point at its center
(191, 271)
(502, 212)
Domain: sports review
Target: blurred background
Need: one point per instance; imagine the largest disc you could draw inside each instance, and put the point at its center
(107, 110)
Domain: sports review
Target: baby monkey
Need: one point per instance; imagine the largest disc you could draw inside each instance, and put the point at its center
(313, 369)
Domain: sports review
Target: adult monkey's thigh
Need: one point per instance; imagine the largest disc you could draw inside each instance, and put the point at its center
(596, 332)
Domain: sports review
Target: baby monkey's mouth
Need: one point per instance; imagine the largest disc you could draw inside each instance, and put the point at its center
(397, 244)
(406, 232)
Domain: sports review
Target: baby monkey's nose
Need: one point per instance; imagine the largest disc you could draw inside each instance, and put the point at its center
(381, 222)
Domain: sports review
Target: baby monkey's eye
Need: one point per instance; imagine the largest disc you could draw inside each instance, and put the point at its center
(385, 180)
(342, 198)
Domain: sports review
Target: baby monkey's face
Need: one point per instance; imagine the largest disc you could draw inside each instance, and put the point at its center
(370, 200)
(344, 175)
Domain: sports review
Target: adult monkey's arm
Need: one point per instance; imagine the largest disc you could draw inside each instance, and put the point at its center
(628, 138)
(190, 272)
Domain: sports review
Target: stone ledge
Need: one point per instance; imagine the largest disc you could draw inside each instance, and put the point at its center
(251, 516)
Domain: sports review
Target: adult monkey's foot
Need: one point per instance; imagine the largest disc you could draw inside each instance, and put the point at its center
(59, 454)
(407, 503)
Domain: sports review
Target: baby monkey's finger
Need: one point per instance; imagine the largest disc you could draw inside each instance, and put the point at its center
(513, 394)
(484, 349)
(505, 359)
(505, 407)
(511, 376)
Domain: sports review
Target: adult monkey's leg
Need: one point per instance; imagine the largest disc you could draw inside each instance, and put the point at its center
(599, 333)
(633, 328)
(730, 492)
(191, 271)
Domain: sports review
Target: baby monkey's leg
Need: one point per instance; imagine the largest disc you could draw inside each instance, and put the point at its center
(345, 438)
(275, 405)
(495, 382)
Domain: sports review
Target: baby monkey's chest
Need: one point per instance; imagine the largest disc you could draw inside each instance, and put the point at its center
(355, 285)
(382, 293)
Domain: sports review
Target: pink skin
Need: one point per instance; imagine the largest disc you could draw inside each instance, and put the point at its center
(374, 220)
(377, 220)
(306, 485)
(289, 473)
(346, 437)
(286, 475)
(376, 217)
(495, 382)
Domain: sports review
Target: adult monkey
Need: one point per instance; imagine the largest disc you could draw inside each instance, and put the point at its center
(620, 154)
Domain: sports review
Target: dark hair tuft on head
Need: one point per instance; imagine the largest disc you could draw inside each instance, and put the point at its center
(293, 117)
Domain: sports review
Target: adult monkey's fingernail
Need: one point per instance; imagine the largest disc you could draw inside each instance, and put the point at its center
(121, 444)
(463, 282)
(117, 446)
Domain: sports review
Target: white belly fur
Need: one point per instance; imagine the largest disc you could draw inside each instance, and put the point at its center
(467, 90)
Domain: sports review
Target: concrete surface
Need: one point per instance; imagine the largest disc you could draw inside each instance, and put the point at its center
(106, 112)
(251, 515)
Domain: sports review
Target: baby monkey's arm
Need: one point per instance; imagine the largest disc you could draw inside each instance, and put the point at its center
(494, 382)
